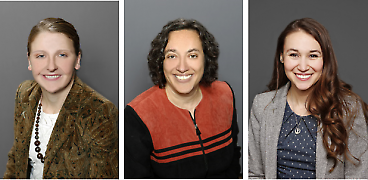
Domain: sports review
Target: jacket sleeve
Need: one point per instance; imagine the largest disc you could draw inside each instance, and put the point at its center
(358, 147)
(103, 142)
(10, 165)
(255, 165)
(137, 146)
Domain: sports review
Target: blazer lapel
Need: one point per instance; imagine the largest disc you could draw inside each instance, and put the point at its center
(65, 124)
(29, 107)
(321, 154)
(275, 111)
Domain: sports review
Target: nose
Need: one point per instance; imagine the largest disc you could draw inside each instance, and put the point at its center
(51, 65)
(182, 66)
(303, 64)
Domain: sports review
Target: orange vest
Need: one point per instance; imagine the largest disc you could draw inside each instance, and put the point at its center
(173, 130)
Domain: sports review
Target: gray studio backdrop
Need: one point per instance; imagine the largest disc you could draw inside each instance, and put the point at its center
(144, 19)
(97, 24)
(346, 22)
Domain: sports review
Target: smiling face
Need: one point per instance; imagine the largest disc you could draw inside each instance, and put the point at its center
(303, 60)
(52, 61)
(184, 61)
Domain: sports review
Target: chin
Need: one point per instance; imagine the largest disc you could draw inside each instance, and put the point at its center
(51, 90)
(183, 90)
(304, 87)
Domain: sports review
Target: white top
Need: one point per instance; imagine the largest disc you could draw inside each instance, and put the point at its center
(46, 125)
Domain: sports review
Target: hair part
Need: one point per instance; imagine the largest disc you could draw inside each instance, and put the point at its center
(156, 55)
(55, 25)
(326, 101)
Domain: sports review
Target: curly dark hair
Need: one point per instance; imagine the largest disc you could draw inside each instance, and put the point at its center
(156, 55)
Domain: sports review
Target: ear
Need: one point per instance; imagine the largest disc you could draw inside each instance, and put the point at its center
(29, 63)
(281, 59)
(77, 64)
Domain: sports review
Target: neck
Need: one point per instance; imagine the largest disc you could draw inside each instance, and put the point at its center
(52, 102)
(184, 101)
(297, 100)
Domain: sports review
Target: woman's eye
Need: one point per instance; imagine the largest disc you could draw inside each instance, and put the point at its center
(314, 56)
(40, 56)
(170, 56)
(293, 55)
(193, 56)
(63, 55)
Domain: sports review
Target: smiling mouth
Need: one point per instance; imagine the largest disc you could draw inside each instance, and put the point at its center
(52, 76)
(303, 77)
(183, 77)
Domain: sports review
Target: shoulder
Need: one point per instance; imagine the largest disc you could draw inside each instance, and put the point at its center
(219, 89)
(26, 86)
(261, 101)
(148, 96)
(221, 86)
(89, 98)
(26, 89)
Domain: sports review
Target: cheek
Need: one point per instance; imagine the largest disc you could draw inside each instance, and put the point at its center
(68, 65)
(166, 66)
(198, 65)
(37, 66)
(289, 65)
(318, 66)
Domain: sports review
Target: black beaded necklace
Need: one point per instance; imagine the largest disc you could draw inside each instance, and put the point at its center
(37, 142)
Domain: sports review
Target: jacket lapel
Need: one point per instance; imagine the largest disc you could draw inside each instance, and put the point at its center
(65, 124)
(30, 101)
(321, 154)
(275, 111)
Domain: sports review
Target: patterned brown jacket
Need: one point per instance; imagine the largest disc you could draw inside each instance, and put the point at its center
(84, 142)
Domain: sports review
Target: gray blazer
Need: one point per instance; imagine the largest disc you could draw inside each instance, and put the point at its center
(264, 128)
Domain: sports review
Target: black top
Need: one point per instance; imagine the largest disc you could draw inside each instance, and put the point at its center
(296, 150)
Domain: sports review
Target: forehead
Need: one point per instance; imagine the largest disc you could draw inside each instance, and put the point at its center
(184, 39)
(301, 40)
(46, 40)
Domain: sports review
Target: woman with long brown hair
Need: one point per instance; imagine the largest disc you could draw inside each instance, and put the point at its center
(309, 124)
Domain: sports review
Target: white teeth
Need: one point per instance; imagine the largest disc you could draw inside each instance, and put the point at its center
(183, 77)
(52, 77)
(303, 76)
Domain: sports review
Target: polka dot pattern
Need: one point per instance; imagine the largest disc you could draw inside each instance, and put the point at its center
(296, 153)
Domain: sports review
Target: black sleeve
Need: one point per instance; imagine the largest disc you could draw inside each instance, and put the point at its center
(137, 146)
(234, 170)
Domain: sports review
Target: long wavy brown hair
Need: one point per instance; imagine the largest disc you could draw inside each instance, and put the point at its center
(326, 100)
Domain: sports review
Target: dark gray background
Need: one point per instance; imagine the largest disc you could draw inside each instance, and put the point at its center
(346, 22)
(144, 19)
(97, 24)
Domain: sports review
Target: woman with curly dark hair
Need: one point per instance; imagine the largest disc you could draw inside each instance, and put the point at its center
(310, 124)
(185, 126)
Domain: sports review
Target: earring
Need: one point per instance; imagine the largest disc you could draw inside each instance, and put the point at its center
(281, 60)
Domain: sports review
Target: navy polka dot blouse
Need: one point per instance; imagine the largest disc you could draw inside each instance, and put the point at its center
(296, 148)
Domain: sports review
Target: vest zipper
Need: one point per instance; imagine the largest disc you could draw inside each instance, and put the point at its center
(198, 132)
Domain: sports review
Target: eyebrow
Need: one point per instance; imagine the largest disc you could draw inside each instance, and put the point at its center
(43, 51)
(191, 50)
(311, 51)
(169, 50)
(174, 50)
